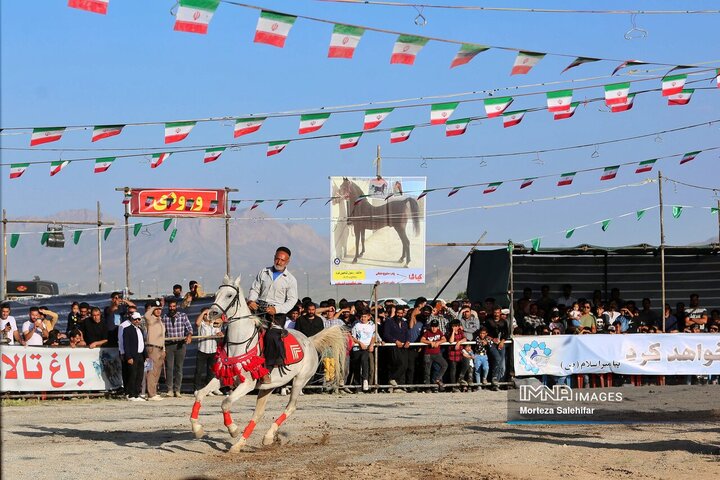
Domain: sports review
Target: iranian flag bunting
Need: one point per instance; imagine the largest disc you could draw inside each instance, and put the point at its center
(682, 98)
(628, 63)
(126, 198)
(622, 107)
(510, 119)
(189, 203)
(568, 113)
(717, 78)
(467, 52)
(105, 131)
(456, 127)
(374, 117)
(349, 140)
(158, 159)
(234, 204)
(17, 169)
(46, 135)
(103, 164)
(276, 147)
(273, 28)
(256, 204)
(305, 200)
(55, 167)
(406, 49)
(280, 204)
(525, 61)
(454, 191)
(673, 84)
(527, 182)
(194, 15)
(344, 40)
(360, 199)
(559, 101)
(312, 122)
(688, 157)
(645, 166)
(243, 126)
(616, 93)
(566, 179)
(212, 154)
(440, 112)
(400, 134)
(494, 107)
(425, 192)
(213, 204)
(94, 6)
(492, 187)
(580, 61)
(177, 131)
(610, 172)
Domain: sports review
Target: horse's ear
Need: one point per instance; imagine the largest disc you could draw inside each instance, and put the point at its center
(345, 178)
(237, 281)
(227, 280)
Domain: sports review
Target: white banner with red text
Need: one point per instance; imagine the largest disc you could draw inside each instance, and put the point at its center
(48, 369)
(631, 354)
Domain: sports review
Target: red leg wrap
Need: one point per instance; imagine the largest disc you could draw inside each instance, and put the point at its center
(280, 419)
(195, 411)
(227, 418)
(249, 429)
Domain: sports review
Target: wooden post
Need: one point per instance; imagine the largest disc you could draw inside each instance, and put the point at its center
(99, 247)
(378, 163)
(127, 242)
(227, 233)
(662, 247)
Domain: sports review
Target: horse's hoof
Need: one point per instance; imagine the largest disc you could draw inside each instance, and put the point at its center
(237, 448)
(233, 430)
(354, 260)
(199, 433)
(268, 440)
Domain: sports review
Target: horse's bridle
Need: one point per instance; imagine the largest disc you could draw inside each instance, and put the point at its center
(230, 319)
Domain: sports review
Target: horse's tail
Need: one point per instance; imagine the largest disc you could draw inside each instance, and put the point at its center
(415, 214)
(333, 343)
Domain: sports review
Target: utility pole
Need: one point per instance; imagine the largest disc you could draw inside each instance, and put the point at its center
(99, 246)
(662, 245)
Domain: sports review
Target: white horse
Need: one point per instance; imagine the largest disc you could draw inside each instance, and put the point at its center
(242, 339)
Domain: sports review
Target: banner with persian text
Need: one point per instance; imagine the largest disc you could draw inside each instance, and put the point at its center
(377, 230)
(631, 354)
(47, 369)
(177, 202)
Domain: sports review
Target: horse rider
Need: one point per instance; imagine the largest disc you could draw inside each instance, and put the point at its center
(274, 293)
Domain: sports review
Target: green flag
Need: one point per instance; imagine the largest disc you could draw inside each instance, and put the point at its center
(605, 225)
(677, 211)
(569, 233)
(714, 210)
(44, 238)
(510, 246)
(107, 233)
(166, 224)
(640, 214)
(172, 235)
(14, 238)
(76, 236)
(535, 244)
(136, 229)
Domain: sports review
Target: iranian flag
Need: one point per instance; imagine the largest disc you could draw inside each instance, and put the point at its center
(400, 134)
(580, 61)
(568, 113)
(17, 169)
(510, 119)
(622, 107)
(55, 167)
(566, 179)
(525, 61)
(312, 122)
(276, 147)
(244, 126)
(194, 15)
(373, 118)
(349, 140)
(527, 182)
(273, 28)
(406, 49)
(682, 98)
(645, 166)
(559, 101)
(102, 164)
(425, 192)
(616, 93)
(234, 204)
(212, 154)
(454, 191)
(456, 127)
(467, 52)
(492, 187)
(256, 204)
(46, 135)
(440, 112)
(344, 41)
(157, 159)
(106, 131)
(673, 84)
(280, 204)
(177, 131)
(610, 172)
(494, 107)
(94, 6)
(628, 63)
(688, 157)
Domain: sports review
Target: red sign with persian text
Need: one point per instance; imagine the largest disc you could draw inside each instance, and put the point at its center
(176, 202)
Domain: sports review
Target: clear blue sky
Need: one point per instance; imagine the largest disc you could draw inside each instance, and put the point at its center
(63, 66)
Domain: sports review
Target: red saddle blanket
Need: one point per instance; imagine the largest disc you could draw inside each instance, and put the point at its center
(293, 350)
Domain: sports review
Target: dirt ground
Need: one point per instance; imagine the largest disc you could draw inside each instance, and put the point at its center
(358, 436)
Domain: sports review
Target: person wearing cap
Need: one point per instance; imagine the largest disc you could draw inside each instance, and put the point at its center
(556, 322)
(155, 347)
(134, 357)
(433, 338)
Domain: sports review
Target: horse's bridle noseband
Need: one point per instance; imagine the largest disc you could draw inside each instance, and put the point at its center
(230, 319)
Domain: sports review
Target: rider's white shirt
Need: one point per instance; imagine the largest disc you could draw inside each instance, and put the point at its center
(281, 293)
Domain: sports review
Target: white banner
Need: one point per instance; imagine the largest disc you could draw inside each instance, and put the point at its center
(47, 369)
(633, 354)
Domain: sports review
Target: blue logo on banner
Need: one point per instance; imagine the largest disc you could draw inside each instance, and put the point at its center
(534, 355)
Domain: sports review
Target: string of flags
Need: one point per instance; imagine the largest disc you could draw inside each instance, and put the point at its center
(273, 28)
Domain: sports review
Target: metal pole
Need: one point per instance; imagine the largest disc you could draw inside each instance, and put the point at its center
(127, 243)
(662, 247)
(511, 287)
(378, 163)
(375, 352)
(4, 254)
(227, 233)
(718, 215)
(99, 247)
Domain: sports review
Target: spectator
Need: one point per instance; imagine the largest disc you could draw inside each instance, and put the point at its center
(497, 331)
(482, 347)
(625, 323)
(8, 325)
(126, 367)
(177, 294)
(695, 314)
(456, 361)
(440, 314)
(470, 322)
(206, 351)
(555, 322)
(95, 331)
(115, 314)
(566, 298)
(363, 337)
(73, 318)
(292, 317)
(587, 319)
(179, 330)
(395, 331)
(34, 331)
(648, 317)
(597, 298)
(600, 317)
(545, 303)
(532, 320)
(671, 321)
(196, 291)
(309, 323)
(416, 324)
(76, 338)
(433, 338)
(615, 297)
(134, 357)
(155, 348)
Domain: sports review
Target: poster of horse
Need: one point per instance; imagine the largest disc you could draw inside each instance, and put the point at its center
(377, 230)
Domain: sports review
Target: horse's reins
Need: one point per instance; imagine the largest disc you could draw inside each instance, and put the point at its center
(236, 303)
